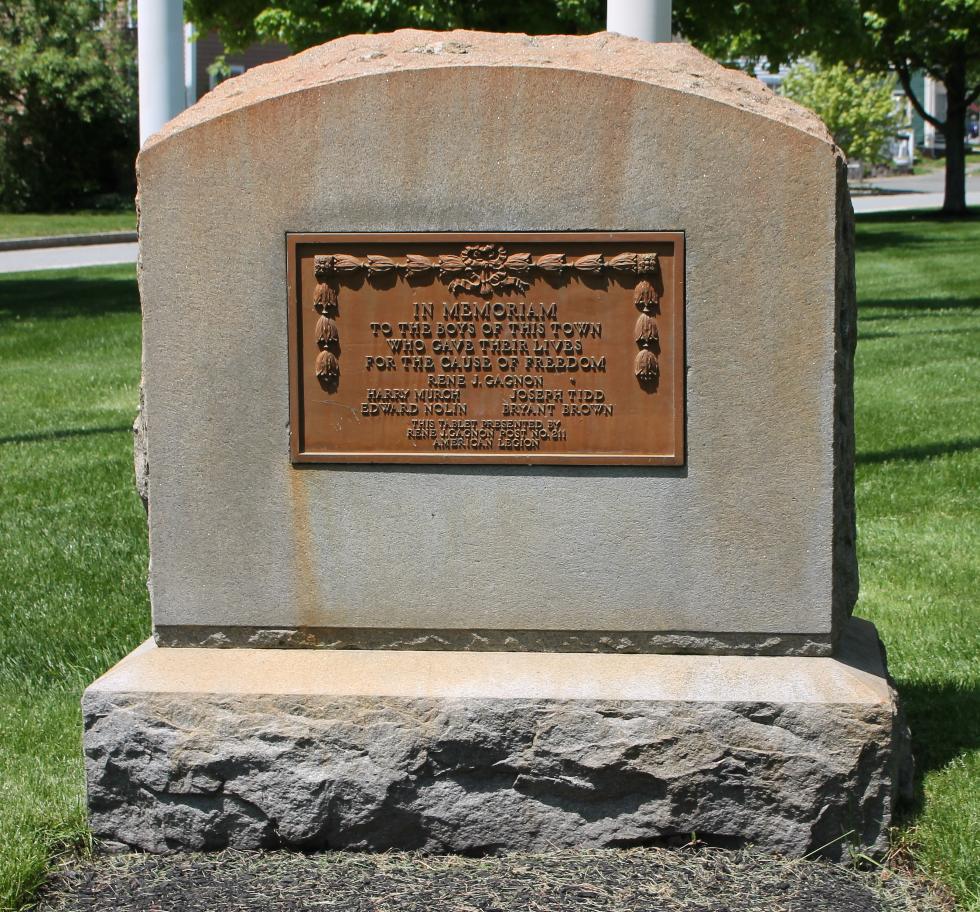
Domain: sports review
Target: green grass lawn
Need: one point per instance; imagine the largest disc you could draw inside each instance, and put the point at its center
(918, 494)
(73, 544)
(72, 541)
(33, 224)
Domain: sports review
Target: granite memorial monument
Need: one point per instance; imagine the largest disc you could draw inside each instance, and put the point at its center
(498, 449)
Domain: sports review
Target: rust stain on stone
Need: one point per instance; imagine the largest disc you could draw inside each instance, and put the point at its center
(308, 596)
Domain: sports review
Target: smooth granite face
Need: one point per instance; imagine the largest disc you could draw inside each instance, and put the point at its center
(461, 131)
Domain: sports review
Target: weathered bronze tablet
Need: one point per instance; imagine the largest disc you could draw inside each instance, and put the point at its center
(560, 348)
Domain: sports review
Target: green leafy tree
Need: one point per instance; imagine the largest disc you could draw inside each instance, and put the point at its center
(304, 23)
(68, 124)
(940, 37)
(857, 107)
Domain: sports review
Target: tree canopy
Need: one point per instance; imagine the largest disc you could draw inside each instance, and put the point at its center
(304, 23)
(857, 107)
(67, 103)
(938, 37)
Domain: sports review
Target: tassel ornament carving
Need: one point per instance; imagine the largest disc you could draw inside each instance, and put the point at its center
(327, 366)
(645, 366)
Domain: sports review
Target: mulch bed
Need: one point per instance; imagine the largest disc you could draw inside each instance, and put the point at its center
(698, 880)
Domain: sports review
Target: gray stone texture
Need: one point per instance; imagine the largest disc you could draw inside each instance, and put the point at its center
(141, 464)
(376, 750)
(424, 131)
(608, 641)
(845, 568)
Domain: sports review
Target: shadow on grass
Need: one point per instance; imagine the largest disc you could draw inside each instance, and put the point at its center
(945, 723)
(918, 305)
(870, 336)
(38, 436)
(75, 294)
(903, 216)
(876, 241)
(918, 453)
(906, 235)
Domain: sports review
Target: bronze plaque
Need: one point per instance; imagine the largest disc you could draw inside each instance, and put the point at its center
(561, 348)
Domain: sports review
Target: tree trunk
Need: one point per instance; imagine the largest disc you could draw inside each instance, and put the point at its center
(954, 131)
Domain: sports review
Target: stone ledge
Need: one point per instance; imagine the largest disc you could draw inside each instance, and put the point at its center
(856, 675)
(194, 748)
(486, 640)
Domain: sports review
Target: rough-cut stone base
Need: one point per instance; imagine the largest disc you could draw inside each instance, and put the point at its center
(197, 748)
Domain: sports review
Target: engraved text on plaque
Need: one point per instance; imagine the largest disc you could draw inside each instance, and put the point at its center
(558, 348)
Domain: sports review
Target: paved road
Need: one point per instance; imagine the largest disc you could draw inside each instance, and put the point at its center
(906, 201)
(923, 191)
(66, 257)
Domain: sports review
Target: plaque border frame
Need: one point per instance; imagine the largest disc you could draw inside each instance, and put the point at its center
(677, 458)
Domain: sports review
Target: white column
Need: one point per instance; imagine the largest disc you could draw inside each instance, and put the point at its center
(646, 19)
(929, 103)
(160, 30)
(190, 65)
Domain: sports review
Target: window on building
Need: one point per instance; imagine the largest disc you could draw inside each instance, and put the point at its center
(233, 69)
